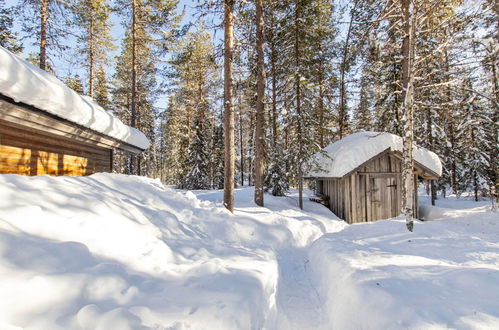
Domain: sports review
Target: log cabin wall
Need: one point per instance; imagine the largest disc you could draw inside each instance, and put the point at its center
(30, 152)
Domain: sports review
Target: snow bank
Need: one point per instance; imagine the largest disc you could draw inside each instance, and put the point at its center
(28, 84)
(345, 155)
(111, 251)
(380, 276)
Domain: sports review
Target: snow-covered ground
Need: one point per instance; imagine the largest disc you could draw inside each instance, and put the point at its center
(119, 252)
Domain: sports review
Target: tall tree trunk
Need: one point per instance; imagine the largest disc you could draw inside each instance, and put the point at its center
(494, 191)
(241, 146)
(299, 132)
(322, 141)
(260, 93)
(407, 118)
(91, 58)
(274, 85)
(342, 114)
(43, 34)
(451, 132)
(228, 104)
(133, 106)
(429, 132)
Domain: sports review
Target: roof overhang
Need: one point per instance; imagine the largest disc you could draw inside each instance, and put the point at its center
(14, 114)
(419, 169)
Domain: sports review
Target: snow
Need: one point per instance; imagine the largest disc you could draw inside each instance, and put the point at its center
(444, 275)
(112, 251)
(28, 84)
(345, 155)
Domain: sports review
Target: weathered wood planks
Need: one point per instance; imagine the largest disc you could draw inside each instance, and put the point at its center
(372, 192)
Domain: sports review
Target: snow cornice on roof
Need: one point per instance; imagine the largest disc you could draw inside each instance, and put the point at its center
(344, 156)
(25, 83)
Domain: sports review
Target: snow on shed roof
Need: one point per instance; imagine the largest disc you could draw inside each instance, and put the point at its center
(345, 155)
(28, 84)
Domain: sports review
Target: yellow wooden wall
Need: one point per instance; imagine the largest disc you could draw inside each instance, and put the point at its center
(27, 151)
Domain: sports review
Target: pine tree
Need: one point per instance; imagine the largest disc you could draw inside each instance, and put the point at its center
(94, 38)
(74, 82)
(217, 157)
(190, 123)
(275, 179)
(101, 94)
(198, 161)
(8, 38)
(145, 95)
(47, 20)
(152, 26)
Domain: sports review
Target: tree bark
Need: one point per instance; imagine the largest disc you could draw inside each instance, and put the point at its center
(241, 146)
(91, 58)
(228, 104)
(299, 132)
(274, 85)
(343, 67)
(322, 140)
(260, 93)
(133, 101)
(43, 34)
(407, 118)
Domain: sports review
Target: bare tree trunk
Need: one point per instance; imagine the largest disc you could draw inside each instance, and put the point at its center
(241, 146)
(299, 132)
(321, 101)
(43, 34)
(342, 114)
(494, 191)
(91, 58)
(429, 132)
(407, 118)
(260, 92)
(274, 86)
(133, 106)
(228, 104)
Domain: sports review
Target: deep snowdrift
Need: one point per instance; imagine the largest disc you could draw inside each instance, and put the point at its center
(118, 252)
(444, 275)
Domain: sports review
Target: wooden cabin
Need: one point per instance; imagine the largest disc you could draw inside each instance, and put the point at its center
(360, 176)
(46, 128)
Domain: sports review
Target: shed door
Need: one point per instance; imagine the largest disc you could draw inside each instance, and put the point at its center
(384, 197)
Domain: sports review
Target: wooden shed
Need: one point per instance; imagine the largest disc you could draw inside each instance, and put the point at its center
(47, 128)
(359, 177)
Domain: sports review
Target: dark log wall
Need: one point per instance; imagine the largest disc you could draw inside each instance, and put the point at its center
(371, 193)
(27, 151)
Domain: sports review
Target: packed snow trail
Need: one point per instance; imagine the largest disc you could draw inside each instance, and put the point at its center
(299, 305)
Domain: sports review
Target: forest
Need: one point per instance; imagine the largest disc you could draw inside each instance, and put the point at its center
(244, 92)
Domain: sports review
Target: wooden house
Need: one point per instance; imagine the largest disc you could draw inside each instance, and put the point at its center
(359, 177)
(47, 128)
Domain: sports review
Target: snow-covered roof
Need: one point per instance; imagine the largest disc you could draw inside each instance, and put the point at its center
(345, 155)
(28, 84)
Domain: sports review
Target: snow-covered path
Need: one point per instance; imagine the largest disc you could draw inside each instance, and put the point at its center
(299, 305)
